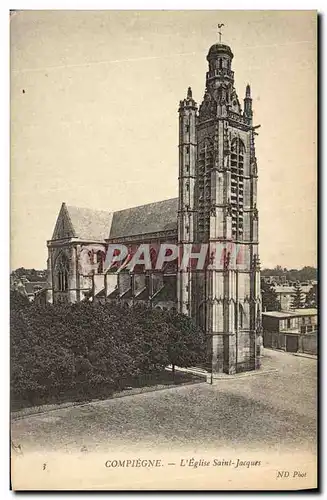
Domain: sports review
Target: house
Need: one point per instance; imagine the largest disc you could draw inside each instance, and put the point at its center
(291, 331)
(28, 288)
(275, 280)
(32, 288)
(285, 295)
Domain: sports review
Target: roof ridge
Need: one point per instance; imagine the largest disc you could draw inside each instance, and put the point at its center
(100, 225)
(121, 209)
(88, 208)
(145, 204)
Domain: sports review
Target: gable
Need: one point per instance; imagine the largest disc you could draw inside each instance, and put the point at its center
(84, 223)
(89, 224)
(63, 228)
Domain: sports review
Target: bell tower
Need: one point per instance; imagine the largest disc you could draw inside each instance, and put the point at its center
(226, 299)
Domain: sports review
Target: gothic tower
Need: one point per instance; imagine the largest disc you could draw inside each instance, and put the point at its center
(186, 201)
(218, 195)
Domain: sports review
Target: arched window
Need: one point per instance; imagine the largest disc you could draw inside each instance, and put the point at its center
(237, 187)
(240, 316)
(62, 272)
(100, 258)
(205, 165)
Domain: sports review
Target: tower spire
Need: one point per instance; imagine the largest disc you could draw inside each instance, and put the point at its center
(248, 103)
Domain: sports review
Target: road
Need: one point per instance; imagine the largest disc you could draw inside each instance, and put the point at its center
(275, 410)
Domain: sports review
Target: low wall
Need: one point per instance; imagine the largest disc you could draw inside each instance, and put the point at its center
(309, 344)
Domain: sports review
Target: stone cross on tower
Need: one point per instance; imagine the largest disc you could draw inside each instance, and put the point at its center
(220, 32)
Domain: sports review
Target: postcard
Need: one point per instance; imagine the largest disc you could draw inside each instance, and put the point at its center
(163, 287)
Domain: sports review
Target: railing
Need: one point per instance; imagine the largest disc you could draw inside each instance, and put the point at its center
(220, 72)
(238, 118)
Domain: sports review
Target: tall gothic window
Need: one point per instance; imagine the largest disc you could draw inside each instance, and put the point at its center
(237, 180)
(240, 316)
(100, 261)
(205, 164)
(62, 271)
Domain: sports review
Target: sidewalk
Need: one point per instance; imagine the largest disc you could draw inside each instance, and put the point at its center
(212, 377)
(305, 355)
(300, 354)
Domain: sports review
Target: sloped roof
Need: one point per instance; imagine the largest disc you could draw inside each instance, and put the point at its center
(99, 225)
(279, 314)
(291, 289)
(295, 313)
(150, 218)
(88, 223)
(312, 311)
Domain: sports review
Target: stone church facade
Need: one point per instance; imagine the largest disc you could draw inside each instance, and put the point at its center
(216, 206)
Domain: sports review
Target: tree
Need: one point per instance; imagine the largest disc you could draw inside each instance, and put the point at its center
(18, 300)
(297, 297)
(312, 297)
(87, 348)
(30, 274)
(187, 344)
(278, 271)
(307, 273)
(270, 300)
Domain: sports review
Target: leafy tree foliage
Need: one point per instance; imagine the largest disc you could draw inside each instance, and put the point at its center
(270, 300)
(17, 300)
(82, 348)
(30, 274)
(186, 344)
(307, 273)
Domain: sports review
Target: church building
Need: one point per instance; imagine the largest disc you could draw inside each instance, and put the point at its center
(216, 205)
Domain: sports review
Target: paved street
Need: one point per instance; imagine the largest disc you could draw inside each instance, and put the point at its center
(275, 410)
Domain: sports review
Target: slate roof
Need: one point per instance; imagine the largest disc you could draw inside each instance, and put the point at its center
(89, 224)
(99, 225)
(150, 218)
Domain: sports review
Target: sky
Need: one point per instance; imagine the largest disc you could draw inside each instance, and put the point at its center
(94, 116)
